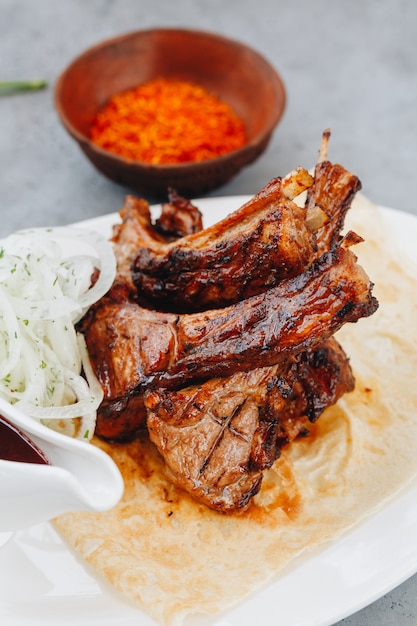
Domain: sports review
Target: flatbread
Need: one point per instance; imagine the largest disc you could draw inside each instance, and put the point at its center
(175, 557)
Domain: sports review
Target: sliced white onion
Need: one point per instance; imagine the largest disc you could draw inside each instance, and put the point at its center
(45, 289)
(9, 331)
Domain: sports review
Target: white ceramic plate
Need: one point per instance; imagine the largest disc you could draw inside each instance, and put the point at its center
(42, 583)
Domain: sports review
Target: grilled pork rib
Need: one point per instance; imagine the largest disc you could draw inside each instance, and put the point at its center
(268, 239)
(217, 438)
(134, 349)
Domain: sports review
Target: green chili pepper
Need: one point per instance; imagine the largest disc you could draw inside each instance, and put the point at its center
(12, 86)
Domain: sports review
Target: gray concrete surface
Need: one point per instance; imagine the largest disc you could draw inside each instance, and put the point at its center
(350, 66)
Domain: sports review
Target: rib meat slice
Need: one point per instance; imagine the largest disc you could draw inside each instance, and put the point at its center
(133, 349)
(217, 438)
(268, 239)
(265, 241)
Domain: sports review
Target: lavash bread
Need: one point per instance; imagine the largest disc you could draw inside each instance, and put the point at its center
(174, 556)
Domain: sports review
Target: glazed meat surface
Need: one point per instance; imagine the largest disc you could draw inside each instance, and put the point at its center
(134, 349)
(265, 241)
(217, 438)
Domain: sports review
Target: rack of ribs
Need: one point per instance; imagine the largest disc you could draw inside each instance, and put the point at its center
(133, 349)
(269, 336)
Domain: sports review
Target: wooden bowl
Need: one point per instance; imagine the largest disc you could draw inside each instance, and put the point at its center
(235, 73)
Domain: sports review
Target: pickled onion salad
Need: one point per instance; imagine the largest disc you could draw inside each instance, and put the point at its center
(49, 277)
